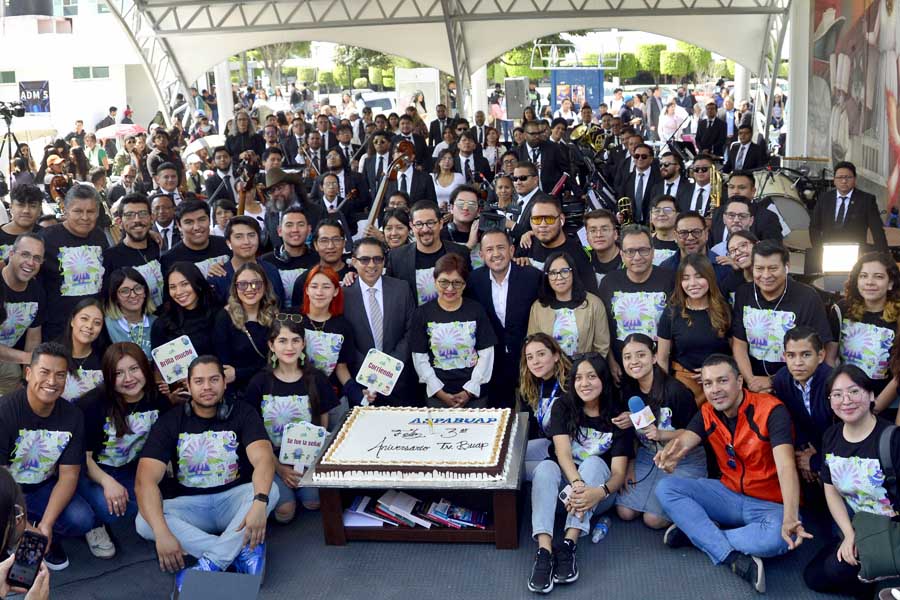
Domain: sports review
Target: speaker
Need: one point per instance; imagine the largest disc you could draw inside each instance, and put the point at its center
(516, 96)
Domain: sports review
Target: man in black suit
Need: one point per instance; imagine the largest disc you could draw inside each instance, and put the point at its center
(506, 291)
(547, 156)
(414, 263)
(732, 118)
(377, 164)
(765, 225)
(673, 182)
(214, 186)
(293, 142)
(639, 183)
(622, 159)
(701, 189)
(745, 155)
(525, 182)
(845, 215)
(323, 126)
(711, 132)
(406, 133)
(317, 150)
(162, 207)
(345, 143)
(655, 106)
(124, 187)
(468, 163)
(436, 129)
(478, 129)
(418, 184)
(378, 309)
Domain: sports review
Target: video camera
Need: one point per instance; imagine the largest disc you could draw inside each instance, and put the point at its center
(493, 218)
(8, 110)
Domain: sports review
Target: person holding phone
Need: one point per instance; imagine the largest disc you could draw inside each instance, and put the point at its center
(16, 534)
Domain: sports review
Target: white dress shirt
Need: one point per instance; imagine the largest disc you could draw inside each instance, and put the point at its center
(838, 203)
(379, 294)
(700, 209)
(499, 294)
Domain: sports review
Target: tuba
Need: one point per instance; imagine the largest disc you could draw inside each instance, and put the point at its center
(715, 191)
(623, 210)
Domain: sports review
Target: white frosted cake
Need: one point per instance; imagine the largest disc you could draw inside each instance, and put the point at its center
(419, 444)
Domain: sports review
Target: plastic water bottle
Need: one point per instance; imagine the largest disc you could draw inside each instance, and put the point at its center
(601, 529)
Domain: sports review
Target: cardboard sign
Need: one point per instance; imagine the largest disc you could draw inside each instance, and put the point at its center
(379, 372)
(300, 445)
(174, 358)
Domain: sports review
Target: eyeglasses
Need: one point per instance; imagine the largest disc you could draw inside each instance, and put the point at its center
(141, 214)
(292, 317)
(365, 260)
(446, 283)
(465, 203)
(645, 252)
(854, 393)
(606, 229)
(665, 165)
(686, 233)
(137, 290)
(700, 169)
(332, 241)
(425, 224)
(560, 274)
(243, 286)
(641, 156)
(665, 210)
(548, 219)
(732, 456)
(521, 178)
(742, 247)
(844, 177)
(28, 256)
(737, 216)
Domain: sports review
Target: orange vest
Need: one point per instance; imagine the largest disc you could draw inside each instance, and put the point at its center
(755, 474)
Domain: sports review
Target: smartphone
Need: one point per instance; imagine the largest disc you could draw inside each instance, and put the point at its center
(29, 555)
(565, 493)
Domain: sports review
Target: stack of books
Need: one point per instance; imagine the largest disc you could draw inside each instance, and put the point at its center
(399, 509)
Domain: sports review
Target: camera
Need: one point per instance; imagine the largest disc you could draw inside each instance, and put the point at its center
(8, 110)
(493, 218)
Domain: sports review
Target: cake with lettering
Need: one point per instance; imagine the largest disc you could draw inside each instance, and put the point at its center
(419, 444)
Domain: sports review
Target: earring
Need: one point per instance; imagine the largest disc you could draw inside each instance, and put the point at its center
(302, 358)
(274, 361)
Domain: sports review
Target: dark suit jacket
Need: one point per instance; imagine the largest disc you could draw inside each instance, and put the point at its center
(553, 163)
(421, 187)
(766, 225)
(423, 156)
(291, 148)
(318, 157)
(372, 179)
(682, 194)
(711, 139)
(401, 262)
(808, 428)
(474, 131)
(436, 131)
(398, 308)
(332, 140)
(212, 184)
(862, 216)
(117, 191)
(755, 158)
(627, 189)
(687, 196)
(481, 165)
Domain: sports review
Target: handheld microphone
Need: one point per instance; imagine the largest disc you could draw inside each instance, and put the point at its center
(641, 415)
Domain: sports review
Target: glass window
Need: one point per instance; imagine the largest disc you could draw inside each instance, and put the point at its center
(81, 72)
(70, 8)
(7, 77)
(102, 7)
(100, 72)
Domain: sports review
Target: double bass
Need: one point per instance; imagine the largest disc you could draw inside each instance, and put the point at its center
(407, 154)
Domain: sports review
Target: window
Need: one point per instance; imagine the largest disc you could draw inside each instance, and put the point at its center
(81, 72)
(102, 7)
(70, 8)
(100, 72)
(7, 77)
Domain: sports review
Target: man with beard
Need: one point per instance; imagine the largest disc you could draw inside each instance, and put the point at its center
(221, 183)
(283, 193)
(137, 249)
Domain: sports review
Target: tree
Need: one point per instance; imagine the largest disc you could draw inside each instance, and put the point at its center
(648, 57)
(517, 63)
(343, 77)
(306, 74)
(360, 82)
(628, 66)
(361, 57)
(274, 56)
(700, 58)
(388, 82)
(375, 76)
(723, 69)
(784, 70)
(326, 78)
(674, 64)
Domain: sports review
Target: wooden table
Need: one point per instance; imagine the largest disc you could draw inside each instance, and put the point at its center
(334, 496)
(798, 239)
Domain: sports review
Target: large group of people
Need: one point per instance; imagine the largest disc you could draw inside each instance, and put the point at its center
(762, 399)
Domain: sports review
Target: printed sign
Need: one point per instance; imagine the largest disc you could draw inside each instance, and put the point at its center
(300, 445)
(174, 358)
(379, 372)
(35, 95)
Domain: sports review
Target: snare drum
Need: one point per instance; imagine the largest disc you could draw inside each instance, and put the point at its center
(785, 197)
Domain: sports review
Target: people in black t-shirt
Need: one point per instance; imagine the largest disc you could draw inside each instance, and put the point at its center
(42, 445)
(196, 245)
(73, 257)
(603, 237)
(24, 209)
(82, 341)
(663, 211)
(294, 257)
(24, 305)
(137, 249)
(329, 244)
(590, 454)
(223, 466)
(740, 259)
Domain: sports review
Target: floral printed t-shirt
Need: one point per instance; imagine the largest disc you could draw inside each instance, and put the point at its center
(208, 456)
(108, 448)
(32, 446)
(854, 469)
(88, 375)
(451, 340)
(145, 262)
(328, 343)
(634, 307)
(598, 437)
(282, 404)
(762, 323)
(24, 310)
(865, 343)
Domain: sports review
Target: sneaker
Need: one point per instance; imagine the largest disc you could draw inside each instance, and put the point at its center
(203, 564)
(566, 567)
(675, 538)
(748, 568)
(541, 580)
(56, 558)
(99, 542)
(251, 562)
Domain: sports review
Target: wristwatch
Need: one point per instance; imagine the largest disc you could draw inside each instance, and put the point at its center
(264, 498)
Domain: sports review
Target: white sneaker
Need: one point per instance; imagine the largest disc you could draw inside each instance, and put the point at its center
(99, 542)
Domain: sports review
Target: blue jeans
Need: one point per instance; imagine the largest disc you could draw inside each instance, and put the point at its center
(92, 493)
(545, 486)
(206, 525)
(694, 504)
(305, 495)
(75, 520)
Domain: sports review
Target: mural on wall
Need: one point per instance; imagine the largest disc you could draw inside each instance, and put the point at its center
(853, 87)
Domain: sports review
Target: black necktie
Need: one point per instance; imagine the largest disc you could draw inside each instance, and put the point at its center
(164, 232)
(481, 135)
(534, 155)
(669, 189)
(379, 172)
(468, 171)
(842, 211)
(347, 154)
(698, 205)
(403, 187)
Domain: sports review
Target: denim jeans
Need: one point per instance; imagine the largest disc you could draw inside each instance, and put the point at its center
(696, 505)
(75, 520)
(92, 493)
(304, 495)
(206, 525)
(548, 481)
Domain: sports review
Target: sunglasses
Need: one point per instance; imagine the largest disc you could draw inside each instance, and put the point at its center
(521, 178)
(700, 169)
(243, 286)
(365, 260)
(549, 220)
(292, 317)
(641, 156)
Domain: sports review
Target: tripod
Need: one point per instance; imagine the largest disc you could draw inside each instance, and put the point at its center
(9, 138)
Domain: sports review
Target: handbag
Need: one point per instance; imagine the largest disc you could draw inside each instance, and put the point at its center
(878, 536)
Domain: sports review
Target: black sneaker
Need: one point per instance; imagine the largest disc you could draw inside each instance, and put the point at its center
(56, 558)
(566, 568)
(675, 538)
(748, 568)
(541, 580)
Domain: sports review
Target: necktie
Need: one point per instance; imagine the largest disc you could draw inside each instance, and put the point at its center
(379, 172)
(698, 203)
(377, 319)
(227, 181)
(739, 163)
(481, 135)
(842, 211)
(347, 154)
(468, 169)
(534, 155)
(164, 232)
(403, 187)
(639, 193)
(669, 189)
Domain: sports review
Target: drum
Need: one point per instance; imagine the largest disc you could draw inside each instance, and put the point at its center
(785, 197)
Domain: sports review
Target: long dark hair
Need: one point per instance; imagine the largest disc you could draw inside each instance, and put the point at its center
(310, 374)
(572, 404)
(67, 332)
(116, 407)
(116, 279)
(546, 295)
(630, 386)
(856, 306)
(172, 314)
(719, 310)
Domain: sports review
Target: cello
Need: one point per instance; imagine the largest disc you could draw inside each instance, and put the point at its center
(406, 154)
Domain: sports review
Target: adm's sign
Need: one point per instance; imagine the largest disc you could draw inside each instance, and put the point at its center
(35, 96)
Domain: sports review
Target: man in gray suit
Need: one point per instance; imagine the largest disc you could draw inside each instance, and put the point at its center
(378, 309)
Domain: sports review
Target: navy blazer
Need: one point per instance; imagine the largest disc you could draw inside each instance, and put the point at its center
(808, 428)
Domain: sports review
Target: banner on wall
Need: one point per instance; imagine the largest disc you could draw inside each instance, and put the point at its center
(35, 96)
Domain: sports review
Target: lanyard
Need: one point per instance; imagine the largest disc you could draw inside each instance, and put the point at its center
(544, 407)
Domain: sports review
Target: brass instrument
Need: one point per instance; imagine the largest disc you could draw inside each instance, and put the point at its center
(591, 136)
(715, 191)
(623, 210)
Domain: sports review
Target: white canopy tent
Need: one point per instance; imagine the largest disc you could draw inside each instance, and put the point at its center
(182, 39)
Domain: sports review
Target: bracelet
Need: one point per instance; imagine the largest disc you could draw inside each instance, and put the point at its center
(606, 489)
(574, 481)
